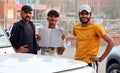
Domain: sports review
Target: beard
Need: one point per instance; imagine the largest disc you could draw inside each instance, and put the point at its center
(84, 22)
(27, 18)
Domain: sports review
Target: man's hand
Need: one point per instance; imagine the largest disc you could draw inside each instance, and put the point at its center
(51, 50)
(23, 49)
(94, 58)
(63, 37)
(60, 50)
(38, 37)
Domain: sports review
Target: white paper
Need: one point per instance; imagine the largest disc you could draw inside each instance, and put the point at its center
(50, 37)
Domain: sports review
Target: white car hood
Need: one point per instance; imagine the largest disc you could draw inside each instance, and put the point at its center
(29, 63)
(6, 50)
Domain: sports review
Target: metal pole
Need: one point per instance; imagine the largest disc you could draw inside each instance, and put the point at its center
(35, 9)
(76, 10)
(27, 2)
(98, 8)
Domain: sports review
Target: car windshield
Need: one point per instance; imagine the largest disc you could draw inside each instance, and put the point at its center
(4, 42)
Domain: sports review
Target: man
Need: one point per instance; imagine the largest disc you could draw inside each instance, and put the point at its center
(88, 36)
(52, 18)
(23, 37)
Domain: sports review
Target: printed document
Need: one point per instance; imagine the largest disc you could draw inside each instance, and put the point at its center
(50, 37)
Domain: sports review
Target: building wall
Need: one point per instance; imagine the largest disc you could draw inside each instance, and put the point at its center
(8, 13)
(97, 4)
(1, 10)
(116, 38)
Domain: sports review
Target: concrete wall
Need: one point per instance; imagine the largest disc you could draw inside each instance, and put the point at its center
(116, 38)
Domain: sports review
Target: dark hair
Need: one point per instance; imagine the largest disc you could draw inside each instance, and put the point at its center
(26, 8)
(53, 13)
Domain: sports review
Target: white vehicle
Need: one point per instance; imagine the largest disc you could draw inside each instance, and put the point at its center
(11, 62)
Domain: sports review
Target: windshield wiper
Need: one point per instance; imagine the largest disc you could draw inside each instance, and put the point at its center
(5, 46)
(1, 35)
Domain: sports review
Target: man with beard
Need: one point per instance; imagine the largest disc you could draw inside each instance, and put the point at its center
(88, 36)
(23, 36)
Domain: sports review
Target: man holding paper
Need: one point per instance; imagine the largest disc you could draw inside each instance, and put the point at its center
(51, 42)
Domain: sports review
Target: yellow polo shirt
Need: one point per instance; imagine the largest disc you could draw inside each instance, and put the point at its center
(88, 40)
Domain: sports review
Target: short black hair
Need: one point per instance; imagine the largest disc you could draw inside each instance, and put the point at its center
(53, 13)
(26, 8)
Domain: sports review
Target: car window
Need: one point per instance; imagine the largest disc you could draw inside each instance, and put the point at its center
(4, 42)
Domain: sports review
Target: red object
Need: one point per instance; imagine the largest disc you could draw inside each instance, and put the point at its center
(19, 6)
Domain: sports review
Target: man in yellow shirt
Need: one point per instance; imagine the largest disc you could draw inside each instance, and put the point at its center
(88, 36)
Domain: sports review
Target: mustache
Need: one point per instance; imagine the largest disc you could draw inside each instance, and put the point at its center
(27, 17)
(84, 22)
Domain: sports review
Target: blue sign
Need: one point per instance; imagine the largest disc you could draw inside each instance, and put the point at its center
(99, 21)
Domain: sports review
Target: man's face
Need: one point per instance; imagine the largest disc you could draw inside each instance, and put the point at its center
(84, 17)
(52, 20)
(26, 16)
